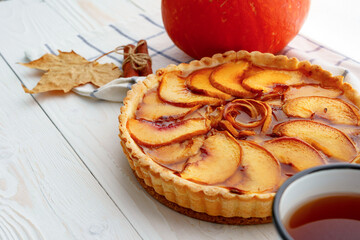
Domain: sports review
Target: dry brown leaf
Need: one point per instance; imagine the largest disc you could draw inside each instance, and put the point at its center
(69, 70)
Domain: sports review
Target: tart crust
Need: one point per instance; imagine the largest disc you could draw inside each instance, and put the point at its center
(210, 200)
(202, 216)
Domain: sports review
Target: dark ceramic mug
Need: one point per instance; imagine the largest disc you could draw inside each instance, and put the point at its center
(340, 178)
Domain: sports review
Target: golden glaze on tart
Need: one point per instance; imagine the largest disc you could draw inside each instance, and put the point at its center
(219, 136)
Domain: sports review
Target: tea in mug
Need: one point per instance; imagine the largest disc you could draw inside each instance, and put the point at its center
(326, 217)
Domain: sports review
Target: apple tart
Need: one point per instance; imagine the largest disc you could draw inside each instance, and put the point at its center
(215, 138)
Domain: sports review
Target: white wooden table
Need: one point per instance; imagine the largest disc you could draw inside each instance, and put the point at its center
(63, 174)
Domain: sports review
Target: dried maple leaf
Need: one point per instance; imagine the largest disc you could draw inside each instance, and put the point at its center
(69, 70)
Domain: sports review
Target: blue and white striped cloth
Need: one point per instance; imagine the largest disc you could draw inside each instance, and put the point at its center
(163, 52)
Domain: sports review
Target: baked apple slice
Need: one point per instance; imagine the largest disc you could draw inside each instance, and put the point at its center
(226, 125)
(173, 154)
(295, 152)
(333, 109)
(329, 140)
(199, 81)
(153, 108)
(356, 159)
(158, 134)
(276, 103)
(215, 115)
(172, 89)
(217, 160)
(248, 113)
(227, 78)
(259, 170)
(265, 81)
(311, 90)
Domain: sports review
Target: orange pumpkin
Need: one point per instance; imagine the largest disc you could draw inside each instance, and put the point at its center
(204, 27)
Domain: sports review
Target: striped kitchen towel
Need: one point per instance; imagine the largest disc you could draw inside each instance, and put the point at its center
(163, 52)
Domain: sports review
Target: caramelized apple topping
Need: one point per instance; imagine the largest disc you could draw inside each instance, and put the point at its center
(333, 109)
(248, 113)
(199, 81)
(153, 108)
(172, 155)
(265, 81)
(212, 164)
(159, 134)
(309, 90)
(226, 125)
(214, 115)
(259, 170)
(356, 159)
(329, 140)
(237, 125)
(173, 90)
(295, 152)
(228, 77)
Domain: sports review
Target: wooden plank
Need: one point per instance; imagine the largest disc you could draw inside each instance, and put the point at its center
(94, 14)
(91, 127)
(19, 22)
(46, 192)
